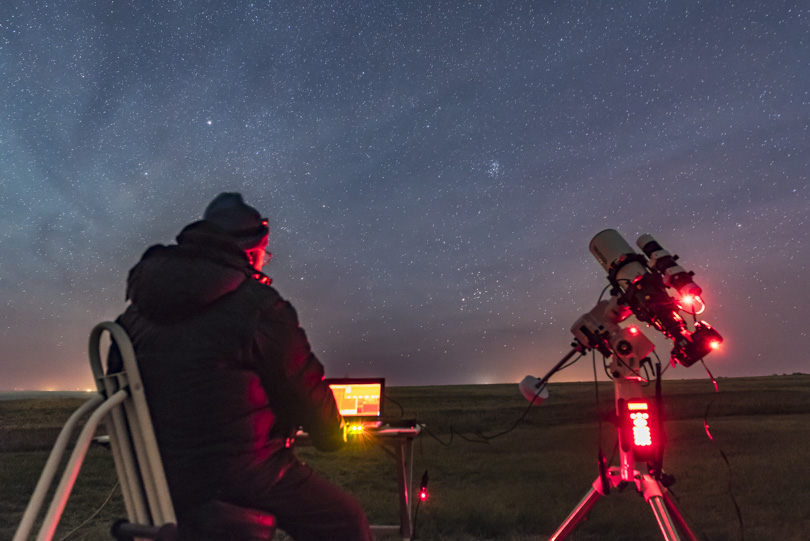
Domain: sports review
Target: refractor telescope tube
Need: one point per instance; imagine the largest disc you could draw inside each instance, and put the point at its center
(610, 248)
(665, 263)
(643, 291)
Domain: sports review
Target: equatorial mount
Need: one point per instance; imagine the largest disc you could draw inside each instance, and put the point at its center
(655, 289)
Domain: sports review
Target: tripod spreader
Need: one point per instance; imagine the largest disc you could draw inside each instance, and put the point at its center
(666, 513)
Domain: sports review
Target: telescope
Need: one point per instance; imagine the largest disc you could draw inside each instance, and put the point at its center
(656, 289)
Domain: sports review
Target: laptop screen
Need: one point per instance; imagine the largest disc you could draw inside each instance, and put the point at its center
(359, 399)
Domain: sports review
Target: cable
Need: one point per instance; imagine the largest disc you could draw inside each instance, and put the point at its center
(422, 496)
(711, 377)
(91, 517)
(484, 438)
(660, 362)
(602, 294)
(728, 467)
(526, 411)
(415, 516)
(596, 393)
(605, 367)
(600, 454)
(560, 369)
(453, 433)
(401, 409)
(646, 380)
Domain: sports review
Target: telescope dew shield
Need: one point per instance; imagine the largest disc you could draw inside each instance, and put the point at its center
(666, 264)
(617, 257)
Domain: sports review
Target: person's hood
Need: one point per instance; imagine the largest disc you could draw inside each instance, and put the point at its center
(171, 283)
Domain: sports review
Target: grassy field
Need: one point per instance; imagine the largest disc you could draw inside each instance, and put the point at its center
(520, 485)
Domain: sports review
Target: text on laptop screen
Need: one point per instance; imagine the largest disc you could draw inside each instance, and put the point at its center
(358, 399)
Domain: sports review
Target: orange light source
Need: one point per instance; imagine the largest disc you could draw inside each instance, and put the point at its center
(714, 344)
(637, 406)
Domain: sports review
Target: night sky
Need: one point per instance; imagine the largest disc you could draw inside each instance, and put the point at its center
(433, 171)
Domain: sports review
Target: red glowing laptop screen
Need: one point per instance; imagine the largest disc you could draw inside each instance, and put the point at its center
(360, 398)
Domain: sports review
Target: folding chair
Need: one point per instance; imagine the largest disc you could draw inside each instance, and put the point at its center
(121, 403)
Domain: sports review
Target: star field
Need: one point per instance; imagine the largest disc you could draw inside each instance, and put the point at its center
(433, 172)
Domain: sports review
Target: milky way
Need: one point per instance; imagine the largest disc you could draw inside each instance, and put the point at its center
(433, 172)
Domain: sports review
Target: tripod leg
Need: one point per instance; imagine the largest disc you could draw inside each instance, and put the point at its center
(664, 520)
(578, 514)
(664, 509)
(678, 518)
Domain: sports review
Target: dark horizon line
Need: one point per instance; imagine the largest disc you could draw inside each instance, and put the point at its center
(6, 393)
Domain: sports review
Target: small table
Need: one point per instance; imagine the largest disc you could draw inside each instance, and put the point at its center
(398, 443)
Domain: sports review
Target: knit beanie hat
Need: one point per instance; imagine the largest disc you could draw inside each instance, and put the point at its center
(242, 221)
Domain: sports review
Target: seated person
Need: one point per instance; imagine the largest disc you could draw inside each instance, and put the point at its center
(229, 376)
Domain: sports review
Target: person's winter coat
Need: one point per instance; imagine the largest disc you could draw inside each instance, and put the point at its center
(228, 373)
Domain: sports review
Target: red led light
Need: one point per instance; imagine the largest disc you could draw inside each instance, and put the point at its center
(423, 493)
(641, 429)
(633, 330)
(692, 303)
(714, 344)
(637, 406)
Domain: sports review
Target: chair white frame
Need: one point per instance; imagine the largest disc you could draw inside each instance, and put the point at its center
(121, 403)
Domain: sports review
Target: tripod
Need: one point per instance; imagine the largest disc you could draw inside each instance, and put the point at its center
(640, 285)
(632, 471)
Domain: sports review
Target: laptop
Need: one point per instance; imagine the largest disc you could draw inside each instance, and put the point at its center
(360, 401)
